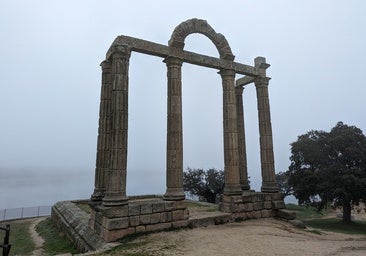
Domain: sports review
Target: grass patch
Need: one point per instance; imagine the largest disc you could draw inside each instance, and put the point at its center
(304, 213)
(20, 239)
(335, 225)
(201, 206)
(55, 241)
(84, 206)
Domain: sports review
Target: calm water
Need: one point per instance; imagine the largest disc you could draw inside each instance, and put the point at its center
(32, 188)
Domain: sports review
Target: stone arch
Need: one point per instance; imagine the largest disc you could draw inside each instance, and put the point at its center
(202, 27)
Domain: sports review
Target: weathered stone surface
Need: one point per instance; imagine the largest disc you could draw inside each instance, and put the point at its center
(180, 224)
(146, 208)
(155, 218)
(114, 212)
(165, 216)
(278, 204)
(140, 229)
(134, 209)
(297, 223)
(248, 207)
(257, 214)
(169, 206)
(145, 219)
(177, 215)
(134, 221)
(158, 207)
(286, 214)
(156, 227)
(115, 223)
(114, 235)
(267, 204)
(266, 213)
(257, 206)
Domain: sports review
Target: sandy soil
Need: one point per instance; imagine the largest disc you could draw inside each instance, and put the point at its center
(255, 237)
(38, 240)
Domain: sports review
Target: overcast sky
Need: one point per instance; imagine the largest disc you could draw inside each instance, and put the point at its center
(50, 82)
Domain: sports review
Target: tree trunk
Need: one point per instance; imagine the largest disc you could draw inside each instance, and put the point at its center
(346, 211)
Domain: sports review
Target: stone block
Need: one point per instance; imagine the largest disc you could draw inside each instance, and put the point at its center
(278, 205)
(297, 223)
(225, 207)
(134, 221)
(257, 206)
(240, 216)
(267, 204)
(258, 197)
(247, 199)
(114, 235)
(115, 223)
(155, 218)
(115, 212)
(165, 216)
(237, 199)
(267, 197)
(277, 196)
(286, 214)
(248, 207)
(266, 213)
(186, 214)
(257, 214)
(250, 215)
(158, 207)
(140, 229)
(98, 217)
(225, 199)
(180, 224)
(177, 215)
(169, 205)
(145, 219)
(133, 209)
(180, 205)
(146, 208)
(159, 226)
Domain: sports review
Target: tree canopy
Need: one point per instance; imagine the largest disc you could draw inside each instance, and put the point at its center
(204, 184)
(329, 167)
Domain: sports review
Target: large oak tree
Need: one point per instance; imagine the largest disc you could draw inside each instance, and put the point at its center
(329, 167)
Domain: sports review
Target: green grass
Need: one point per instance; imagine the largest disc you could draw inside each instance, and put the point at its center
(20, 239)
(55, 241)
(336, 225)
(304, 213)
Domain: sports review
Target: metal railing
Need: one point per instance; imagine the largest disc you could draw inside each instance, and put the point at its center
(25, 212)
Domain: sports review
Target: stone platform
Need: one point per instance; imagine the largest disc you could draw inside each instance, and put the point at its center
(92, 226)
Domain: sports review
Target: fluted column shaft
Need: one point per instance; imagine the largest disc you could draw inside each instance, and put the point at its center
(174, 160)
(265, 128)
(102, 158)
(243, 170)
(116, 184)
(231, 156)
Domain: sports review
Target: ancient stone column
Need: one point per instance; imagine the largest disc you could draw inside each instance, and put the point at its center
(102, 161)
(231, 156)
(116, 179)
(174, 159)
(243, 170)
(265, 128)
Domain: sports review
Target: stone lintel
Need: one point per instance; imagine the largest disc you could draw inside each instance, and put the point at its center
(244, 80)
(147, 47)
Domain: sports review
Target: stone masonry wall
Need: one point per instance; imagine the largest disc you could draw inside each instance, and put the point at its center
(252, 205)
(144, 215)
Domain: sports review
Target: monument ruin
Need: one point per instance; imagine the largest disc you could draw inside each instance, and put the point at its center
(114, 214)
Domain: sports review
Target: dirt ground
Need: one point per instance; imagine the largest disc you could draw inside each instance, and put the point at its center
(254, 237)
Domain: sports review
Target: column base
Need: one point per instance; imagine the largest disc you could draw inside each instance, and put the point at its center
(174, 194)
(232, 190)
(245, 186)
(269, 187)
(111, 199)
(97, 195)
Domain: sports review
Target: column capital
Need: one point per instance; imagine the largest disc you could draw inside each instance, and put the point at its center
(227, 73)
(121, 50)
(106, 65)
(173, 61)
(261, 81)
